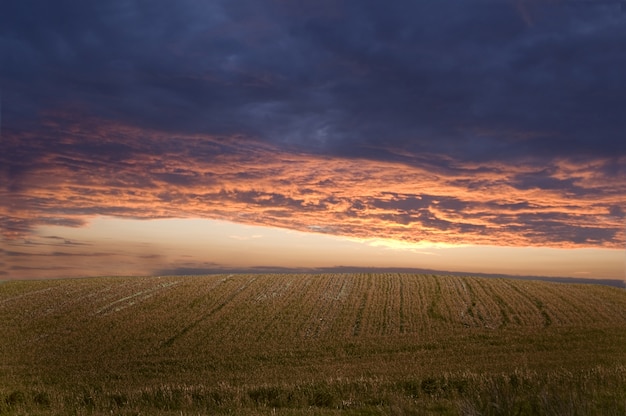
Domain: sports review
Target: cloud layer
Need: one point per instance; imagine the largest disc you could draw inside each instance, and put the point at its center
(438, 199)
(458, 122)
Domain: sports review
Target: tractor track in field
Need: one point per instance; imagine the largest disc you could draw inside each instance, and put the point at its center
(171, 340)
(131, 300)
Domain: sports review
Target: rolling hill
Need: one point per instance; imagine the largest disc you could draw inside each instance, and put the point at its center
(311, 344)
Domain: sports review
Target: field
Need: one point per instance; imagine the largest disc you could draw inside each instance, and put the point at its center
(354, 344)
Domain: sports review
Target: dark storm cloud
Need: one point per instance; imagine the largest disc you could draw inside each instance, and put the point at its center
(476, 79)
(544, 180)
(52, 254)
(63, 241)
(411, 203)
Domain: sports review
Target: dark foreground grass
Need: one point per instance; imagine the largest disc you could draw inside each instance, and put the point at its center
(599, 391)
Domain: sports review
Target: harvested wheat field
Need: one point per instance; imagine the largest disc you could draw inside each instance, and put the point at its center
(311, 344)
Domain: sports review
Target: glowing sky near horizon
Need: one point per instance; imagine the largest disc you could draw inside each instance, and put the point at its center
(468, 136)
(194, 246)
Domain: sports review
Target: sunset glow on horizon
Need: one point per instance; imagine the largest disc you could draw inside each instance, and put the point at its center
(196, 138)
(113, 246)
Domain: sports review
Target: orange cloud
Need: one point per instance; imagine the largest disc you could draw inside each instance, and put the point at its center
(104, 169)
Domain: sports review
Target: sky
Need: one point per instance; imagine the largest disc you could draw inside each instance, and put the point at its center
(160, 137)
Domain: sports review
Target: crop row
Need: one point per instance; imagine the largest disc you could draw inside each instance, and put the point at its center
(189, 309)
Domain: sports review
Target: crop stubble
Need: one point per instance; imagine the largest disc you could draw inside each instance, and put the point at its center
(129, 333)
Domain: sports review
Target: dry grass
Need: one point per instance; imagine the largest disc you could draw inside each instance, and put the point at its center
(311, 344)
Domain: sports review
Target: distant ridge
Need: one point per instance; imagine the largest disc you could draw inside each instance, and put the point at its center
(355, 269)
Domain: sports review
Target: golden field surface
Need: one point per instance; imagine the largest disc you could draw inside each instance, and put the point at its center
(310, 344)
